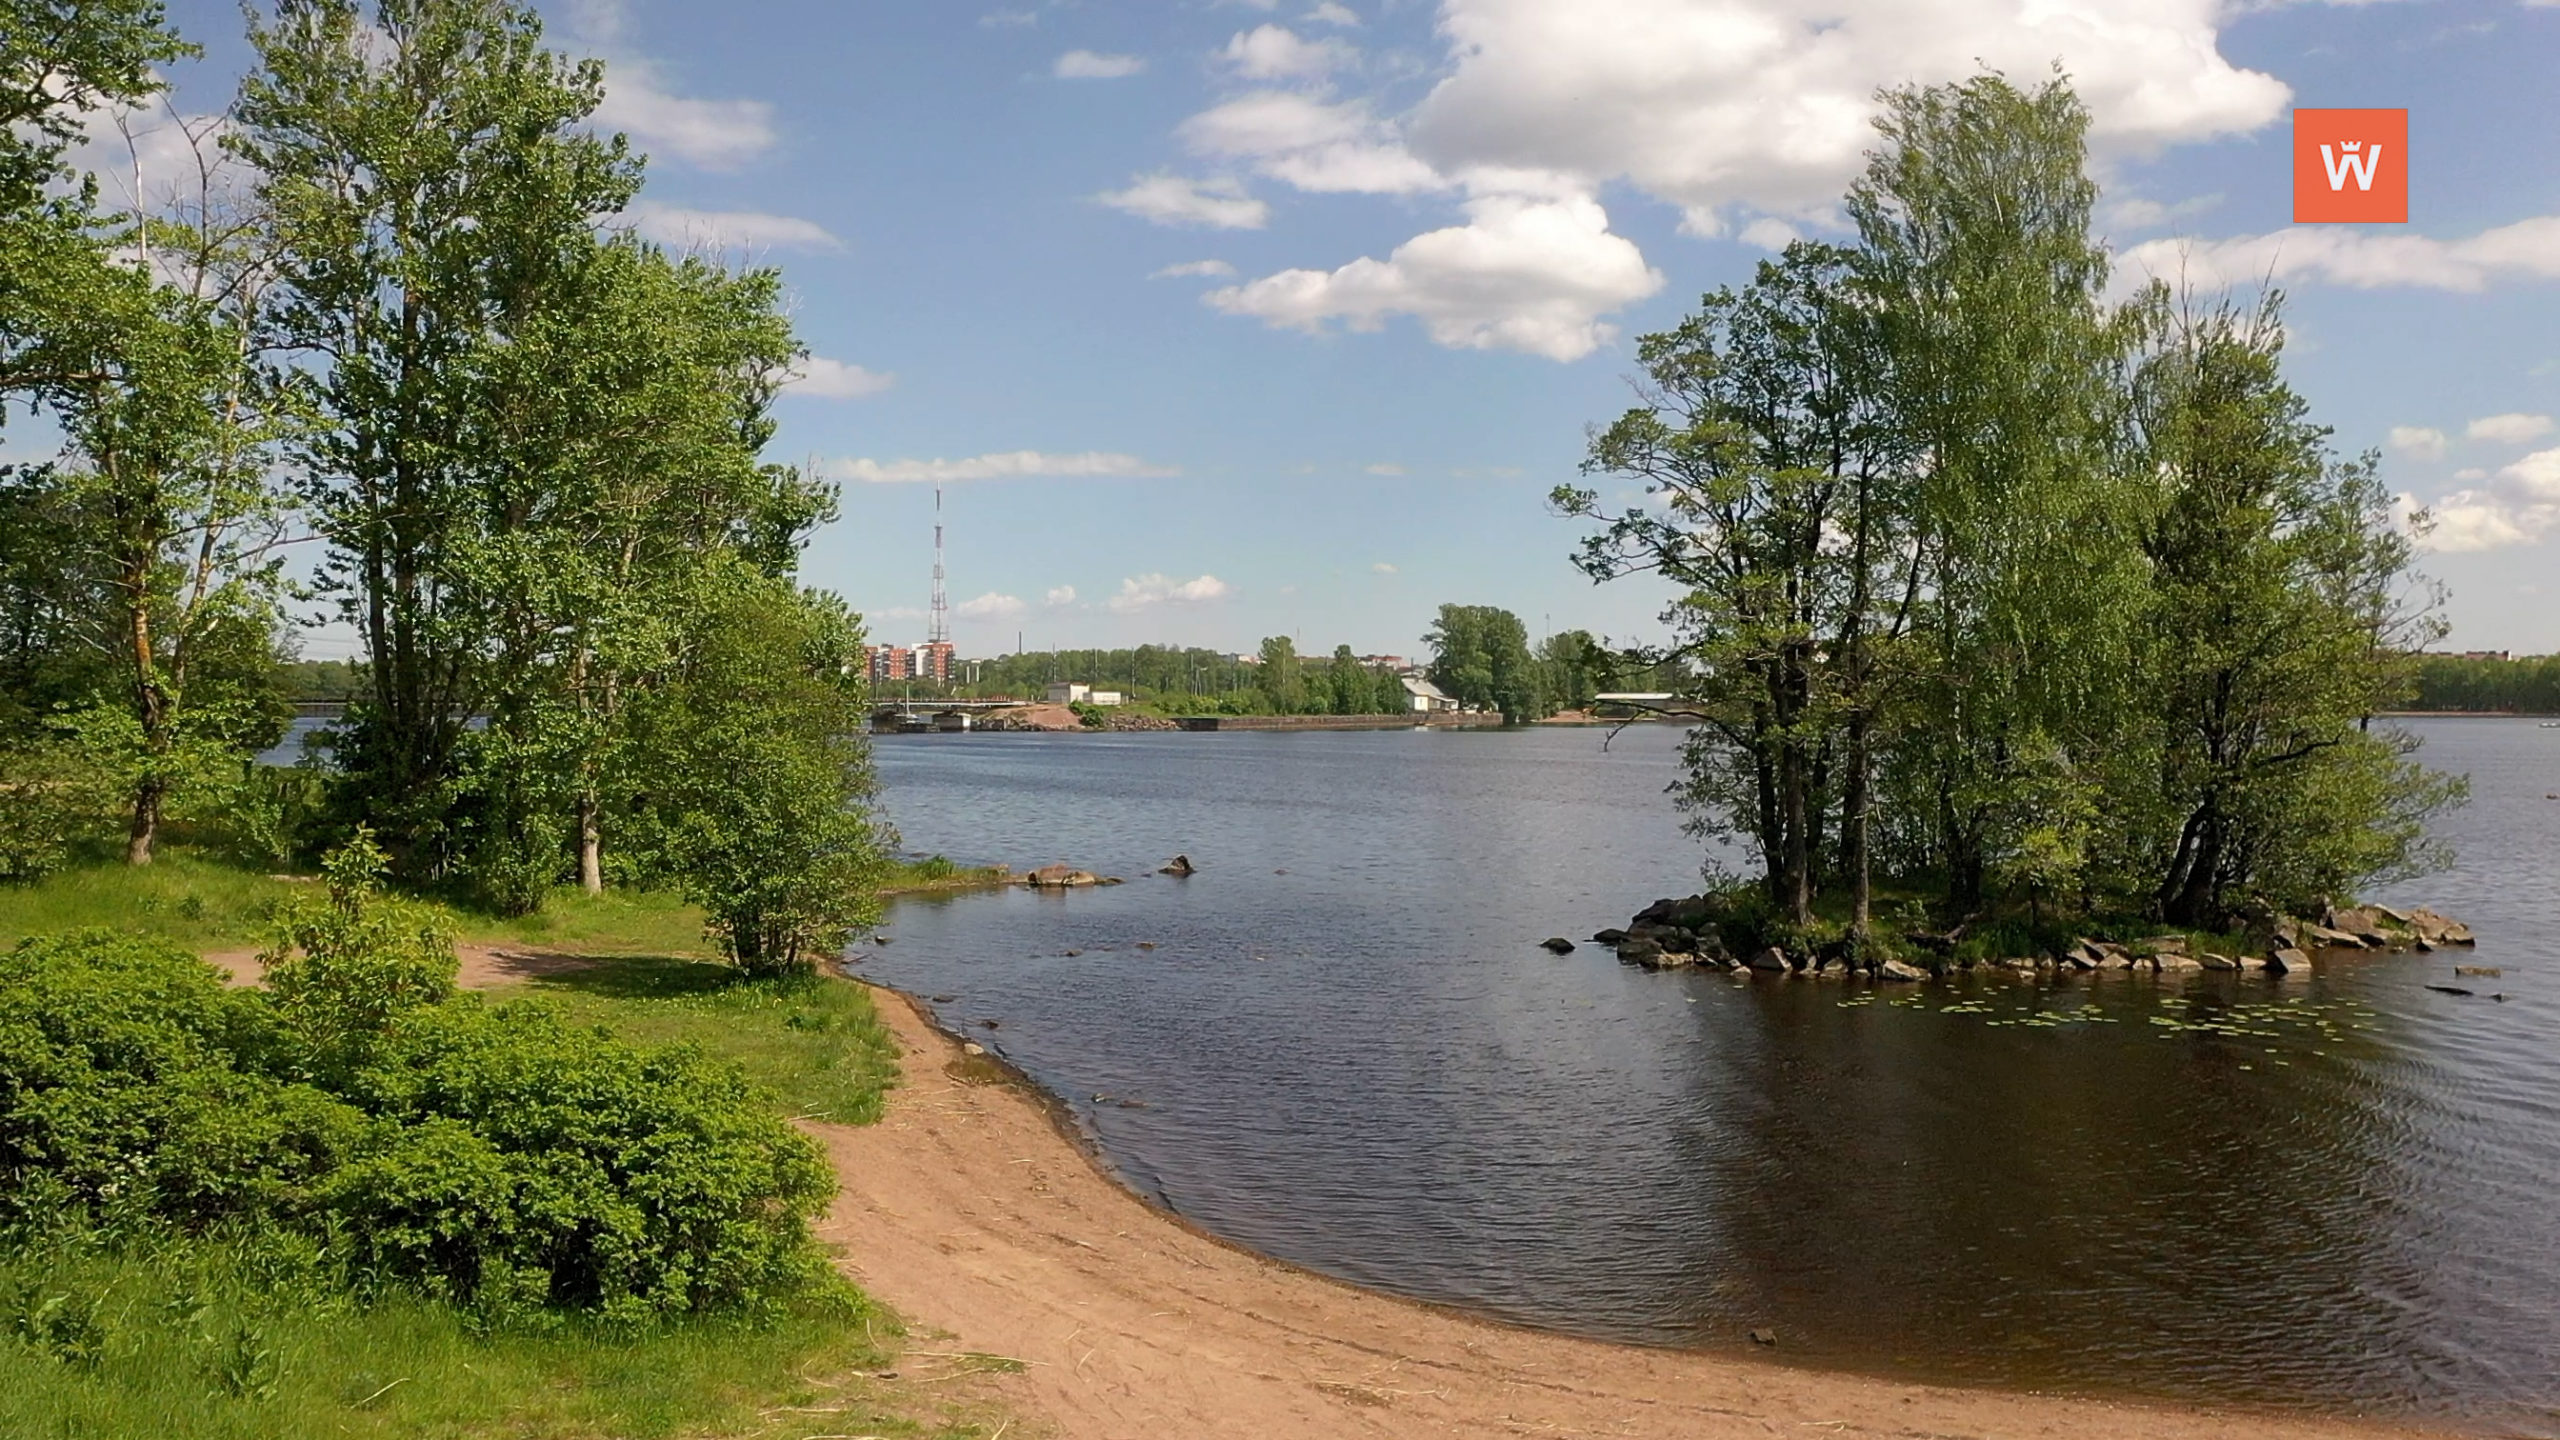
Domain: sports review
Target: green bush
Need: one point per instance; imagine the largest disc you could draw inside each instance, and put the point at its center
(495, 1157)
(546, 1162)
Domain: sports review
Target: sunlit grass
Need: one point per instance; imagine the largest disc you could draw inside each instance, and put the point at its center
(218, 1341)
(815, 1043)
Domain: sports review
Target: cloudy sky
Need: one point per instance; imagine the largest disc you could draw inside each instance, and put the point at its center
(1225, 318)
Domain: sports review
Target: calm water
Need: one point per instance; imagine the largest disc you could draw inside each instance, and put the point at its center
(1348, 1051)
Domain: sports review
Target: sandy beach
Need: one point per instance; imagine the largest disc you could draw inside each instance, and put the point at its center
(971, 1212)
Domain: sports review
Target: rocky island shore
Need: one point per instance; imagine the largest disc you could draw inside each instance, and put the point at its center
(1680, 933)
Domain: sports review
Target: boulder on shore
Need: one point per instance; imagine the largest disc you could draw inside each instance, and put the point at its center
(1896, 970)
(2287, 960)
(1770, 960)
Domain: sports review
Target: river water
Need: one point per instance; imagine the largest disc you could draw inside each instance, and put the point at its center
(2339, 1193)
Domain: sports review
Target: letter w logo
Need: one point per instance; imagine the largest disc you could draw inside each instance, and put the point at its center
(2360, 165)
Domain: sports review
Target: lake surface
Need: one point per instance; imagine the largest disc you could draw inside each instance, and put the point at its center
(1346, 1050)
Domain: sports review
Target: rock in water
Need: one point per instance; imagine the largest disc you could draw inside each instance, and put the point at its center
(1897, 970)
(1557, 944)
(2289, 961)
(1771, 960)
(1639, 952)
(1608, 937)
(1178, 865)
(1764, 1337)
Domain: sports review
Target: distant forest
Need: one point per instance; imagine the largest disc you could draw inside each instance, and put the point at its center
(2525, 685)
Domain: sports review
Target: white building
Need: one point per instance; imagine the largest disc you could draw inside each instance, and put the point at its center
(1067, 693)
(1423, 697)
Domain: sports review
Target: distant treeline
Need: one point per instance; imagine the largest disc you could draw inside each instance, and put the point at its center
(1479, 655)
(2526, 685)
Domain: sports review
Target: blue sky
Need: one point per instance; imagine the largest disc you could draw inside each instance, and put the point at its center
(1419, 238)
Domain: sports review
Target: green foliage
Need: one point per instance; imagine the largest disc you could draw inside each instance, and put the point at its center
(760, 777)
(2523, 684)
(495, 1158)
(347, 970)
(237, 1336)
(1978, 575)
(1480, 657)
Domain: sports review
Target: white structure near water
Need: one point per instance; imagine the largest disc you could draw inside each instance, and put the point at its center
(1067, 693)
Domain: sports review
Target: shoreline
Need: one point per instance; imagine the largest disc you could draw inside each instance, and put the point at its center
(977, 1207)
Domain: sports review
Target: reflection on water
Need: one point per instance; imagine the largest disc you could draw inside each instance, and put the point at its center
(1347, 1051)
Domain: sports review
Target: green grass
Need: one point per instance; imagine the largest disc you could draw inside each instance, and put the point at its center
(192, 901)
(816, 1043)
(208, 905)
(226, 1341)
(210, 1340)
(935, 872)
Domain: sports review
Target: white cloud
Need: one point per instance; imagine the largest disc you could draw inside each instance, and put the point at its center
(1382, 568)
(2509, 429)
(2358, 259)
(728, 229)
(1061, 597)
(714, 134)
(1770, 233)
(1274, 52)
(2136, 213)
(1220, 204)
(1763, 104)
(827, 379)
(1008, 19)
(2517, 506)
(1385, 467)
(1330, 13)
(2418, 442)
(1315, 145)
(1089, 65)
(1006, 465)
(1750, 114)
(990, 606)
(1148, 592)
(1522, 274)
(1196, 269)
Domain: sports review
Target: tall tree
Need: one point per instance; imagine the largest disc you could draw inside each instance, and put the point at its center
(1480, 656)
(2280, 626)
(2006, 369)
(1281, 685)
(1782, 515)
(432, 188)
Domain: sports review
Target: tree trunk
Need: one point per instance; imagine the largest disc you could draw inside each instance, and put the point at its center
(1853, 832)
(590, 846)
(146, 823)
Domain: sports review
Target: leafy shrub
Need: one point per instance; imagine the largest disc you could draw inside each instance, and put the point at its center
(343, 971)
(117, 1087)
(495, 1157)
(628, 1181)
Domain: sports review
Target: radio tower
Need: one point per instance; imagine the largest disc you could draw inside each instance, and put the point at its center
(939, 631)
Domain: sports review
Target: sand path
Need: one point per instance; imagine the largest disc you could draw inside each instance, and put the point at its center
(968, 1211)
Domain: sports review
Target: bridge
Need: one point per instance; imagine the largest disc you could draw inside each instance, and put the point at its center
(914, 716)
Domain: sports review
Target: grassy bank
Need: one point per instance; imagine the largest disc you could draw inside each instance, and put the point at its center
(233, 1337)
(240, 1341)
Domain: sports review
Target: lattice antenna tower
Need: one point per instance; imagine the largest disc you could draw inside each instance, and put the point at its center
(938, 632)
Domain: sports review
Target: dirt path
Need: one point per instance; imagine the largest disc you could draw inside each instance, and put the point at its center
(483, 966)
(968, 1211)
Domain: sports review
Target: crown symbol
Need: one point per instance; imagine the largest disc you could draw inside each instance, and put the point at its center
(2350, 144)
